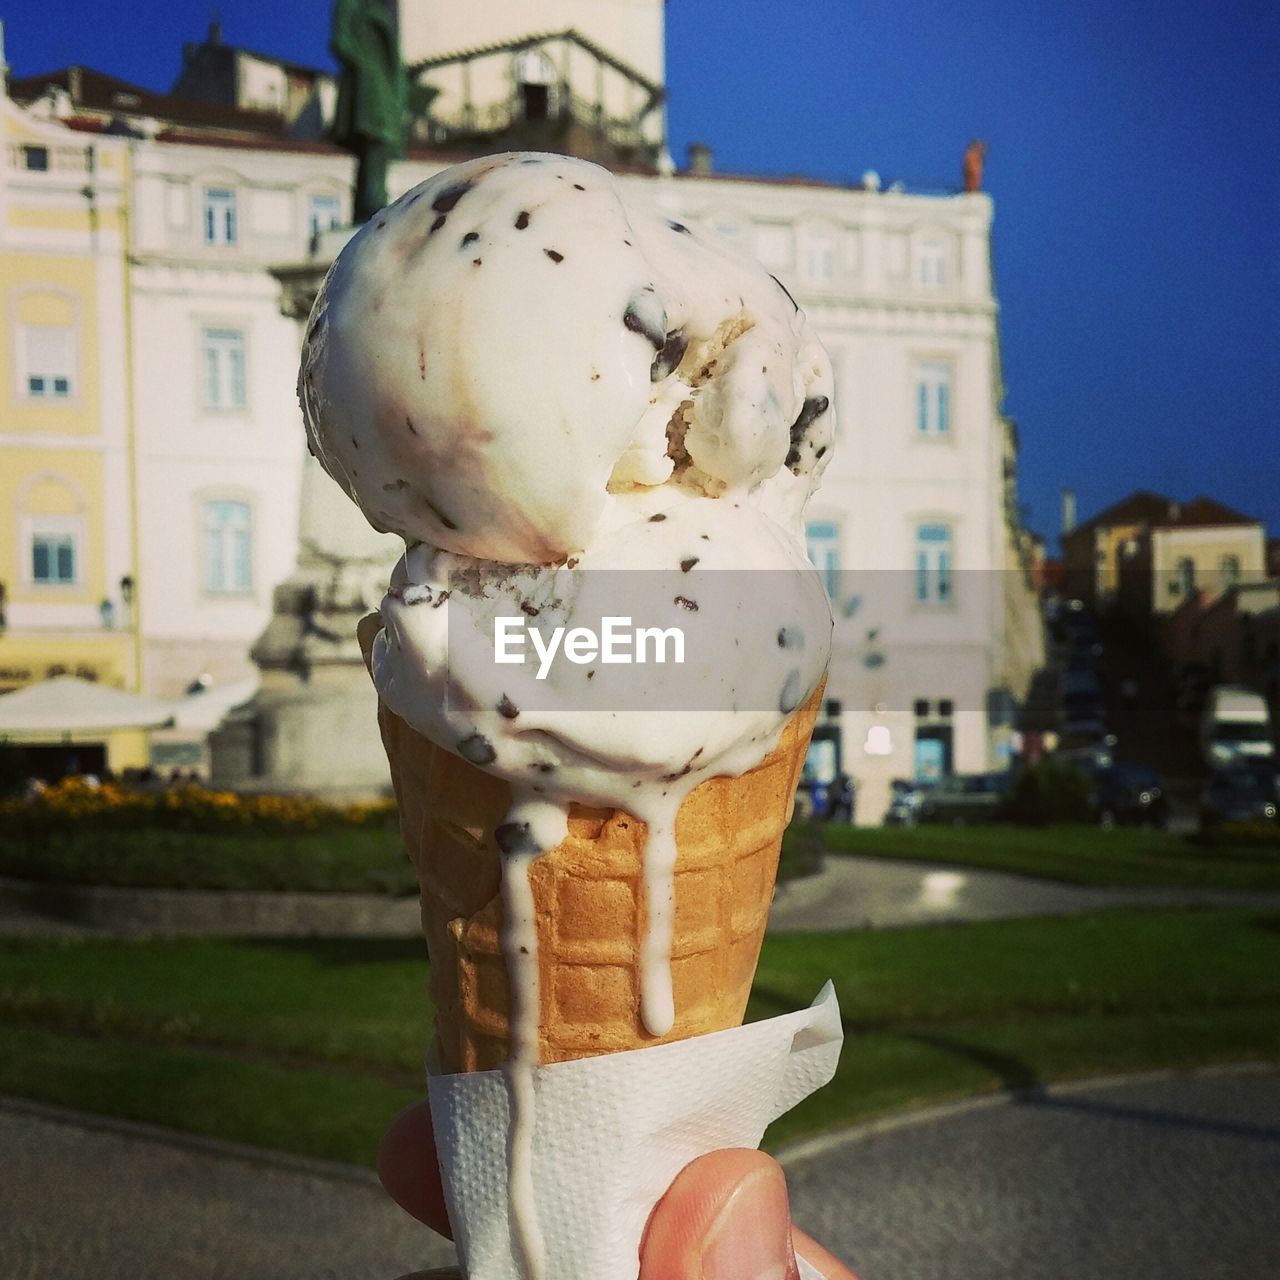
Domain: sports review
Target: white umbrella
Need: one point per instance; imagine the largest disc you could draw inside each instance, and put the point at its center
(68, 705)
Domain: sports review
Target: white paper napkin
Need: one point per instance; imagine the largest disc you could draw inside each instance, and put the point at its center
(613, 1131)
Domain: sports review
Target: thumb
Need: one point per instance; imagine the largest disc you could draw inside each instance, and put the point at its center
(725, 1217)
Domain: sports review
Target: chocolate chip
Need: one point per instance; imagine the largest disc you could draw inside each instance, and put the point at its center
(522, 220)
(408, 422)
(685, 603)
(514, 838)
(553, 255)
(577, 186)
(470, 238)
(789, 698)
(439, 222)
(669, 357)
(810, 412)
(531, 609)
(679, 226)
(545, 768)
(790, 638)
(657, 519)
(382, 222)
(441, 598)
(507, 709)
(591, 675)
(475, 262)
(646, 315)
(450, 196)
(422, 364)
(477, 749)
(687, 564)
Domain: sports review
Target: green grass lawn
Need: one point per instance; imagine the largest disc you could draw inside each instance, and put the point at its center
(1080, 855)
(310, 1046)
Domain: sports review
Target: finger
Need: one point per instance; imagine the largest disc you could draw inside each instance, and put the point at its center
(725, 1217)
(826, 1264)
(409, 1170)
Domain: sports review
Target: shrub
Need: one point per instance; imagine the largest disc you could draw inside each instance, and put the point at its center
(75, 804)
(1049, 793)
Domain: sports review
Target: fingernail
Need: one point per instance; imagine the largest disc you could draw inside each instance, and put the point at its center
(751, 1237)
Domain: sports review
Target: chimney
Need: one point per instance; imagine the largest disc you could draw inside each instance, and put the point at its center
(215, 31)
(1068, 510)
(700, 158)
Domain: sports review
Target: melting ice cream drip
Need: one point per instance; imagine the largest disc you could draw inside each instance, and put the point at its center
(532, 826)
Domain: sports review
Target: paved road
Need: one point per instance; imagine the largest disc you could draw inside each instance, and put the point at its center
(1176, 1179)
(1169, 1179)
(870, 893)
(849, 893)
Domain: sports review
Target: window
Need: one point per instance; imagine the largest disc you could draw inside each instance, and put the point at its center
(224, 369)
(931, 271)
(228, 547)
(323, 214)
(54, 550)
(219, 215)
(1228, 572)
(933, 564)
(921, 708)
(1186, 580)
(933, 399)
(823, 537)
(819, 259)
(35, 158)
(49, 351)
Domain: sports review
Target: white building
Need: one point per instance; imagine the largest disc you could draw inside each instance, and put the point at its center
(915, 526)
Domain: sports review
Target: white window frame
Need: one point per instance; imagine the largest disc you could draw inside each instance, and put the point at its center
(822, 542)
(223, 389)
(931, 263)
(226, 571)
(819, 246)
(62, 528)
(219, 216)
(328, 200)
(933, 399)
(933, 564)
(1228, 571)
(65, 370)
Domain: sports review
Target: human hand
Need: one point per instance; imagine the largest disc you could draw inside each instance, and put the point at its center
(725, 1217)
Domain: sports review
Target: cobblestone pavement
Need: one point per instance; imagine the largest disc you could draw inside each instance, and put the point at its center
(1173, 1178)
(1164, 1179)
(104, 1203)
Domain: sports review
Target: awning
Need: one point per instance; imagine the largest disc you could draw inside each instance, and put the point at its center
(206, 710)
(69, 705)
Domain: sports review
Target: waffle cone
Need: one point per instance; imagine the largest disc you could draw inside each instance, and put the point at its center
(590, 904)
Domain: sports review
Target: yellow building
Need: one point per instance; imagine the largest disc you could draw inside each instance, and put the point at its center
(66, 488)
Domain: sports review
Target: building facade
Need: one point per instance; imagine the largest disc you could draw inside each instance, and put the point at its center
(67, 546)
(915, 528)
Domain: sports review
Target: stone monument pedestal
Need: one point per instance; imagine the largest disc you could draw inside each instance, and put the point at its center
(312, 726)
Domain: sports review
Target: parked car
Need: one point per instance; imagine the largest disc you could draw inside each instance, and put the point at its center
(1236, 725)
(966, 798)
(1248, 791)
(1128, 795)
(905, 799)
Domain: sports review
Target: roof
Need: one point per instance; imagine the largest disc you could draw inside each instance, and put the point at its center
(1202, 513)
(92, 90)
(67, 704)
(1156, 511)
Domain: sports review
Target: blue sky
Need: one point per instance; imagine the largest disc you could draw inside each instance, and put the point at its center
(1132, 162)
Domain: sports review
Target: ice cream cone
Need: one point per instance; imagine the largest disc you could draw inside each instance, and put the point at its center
(589, 900)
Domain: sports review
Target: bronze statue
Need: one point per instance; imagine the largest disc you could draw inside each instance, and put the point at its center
(974, 156)
(369, 116)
